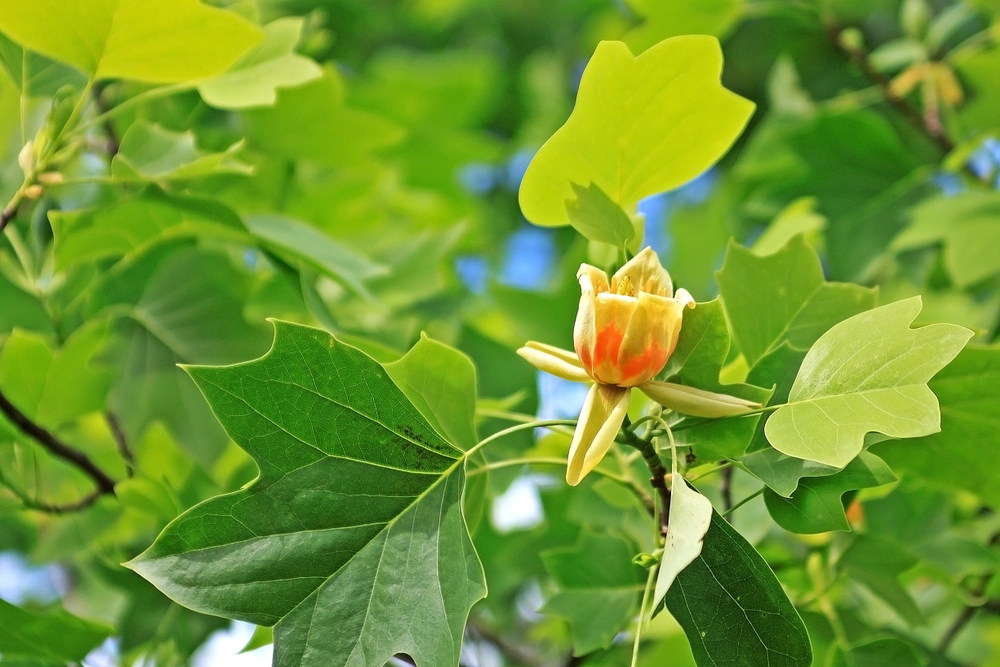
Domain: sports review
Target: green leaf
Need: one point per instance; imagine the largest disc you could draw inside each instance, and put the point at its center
(732, 608)
(354, 524)
(798, 218)
(696, 361)
(54, 387)
(44, 76)
(313, 122)
(593, 214)
(598, 588)
(816, 505)
(689, 519)
(127, 226)
(440, 381)
(144, 40)
(668, 18)
(783, 297)
(55, 635)
(340, 262)
(969, 392)
(867, 374)
(640, 126)
(877, 563)
(254, 79)
(149, 152)
(21, 309)
(979, 114)
(967, 224)
(879, 653)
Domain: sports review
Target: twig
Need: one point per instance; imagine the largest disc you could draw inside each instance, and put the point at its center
(901, 104)
(30, 503)
(743, 502)
(512, 651)
(658, 472)
(112, 143)
(726, 489)
(9, 211)
(105, 485)
(122, 441)
(969, 611)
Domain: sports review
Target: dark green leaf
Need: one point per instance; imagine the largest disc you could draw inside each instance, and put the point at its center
(733, 609)
(355, 522)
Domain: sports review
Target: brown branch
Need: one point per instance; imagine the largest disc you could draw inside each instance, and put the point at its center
(901, 104)
(56, 447)
(122, 442)
(726, 489)
(9, 212)
(658, 478)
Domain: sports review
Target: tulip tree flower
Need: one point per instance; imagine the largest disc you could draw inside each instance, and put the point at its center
(625, 332)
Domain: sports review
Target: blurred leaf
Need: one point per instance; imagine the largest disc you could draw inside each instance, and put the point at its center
(668, 18)
(365, 518)
(254, 79)
(783, 297)
(867, 373)
(313, 122)
(440, 381)
(732, 608)
(55, 635)
(338, 261)
(45, 76)
(21, 309)
(798, 218)
(877, 563)
(980, 113)
(150, 152)
(669, 119)
(967, 224)
(129, 225)
(54, 387)
(689, 519)
(816, 505)
(969, 392)
(593, 214)
(598, 588)
(881, 652)
(112, 39)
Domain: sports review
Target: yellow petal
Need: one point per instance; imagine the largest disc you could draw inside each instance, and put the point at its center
(645, 273)
(612, 314)
(601, 418)
(560, 363)
(592, 282)
(650, 338)
(696, 402)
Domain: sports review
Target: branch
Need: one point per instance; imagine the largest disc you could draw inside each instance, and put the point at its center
(901, 104)
(9, 212)
(122, 441)
(56, 447)
(658, 472)
(726, 489)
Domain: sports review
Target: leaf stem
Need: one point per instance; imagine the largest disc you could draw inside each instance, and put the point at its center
(744, 501)
(642, 615)
(520, 427)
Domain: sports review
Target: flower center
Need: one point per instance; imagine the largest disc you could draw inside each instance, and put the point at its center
(625, 287)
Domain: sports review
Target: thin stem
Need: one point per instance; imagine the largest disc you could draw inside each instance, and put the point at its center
(520, 427)
(119, 435)
(726, 490)
(488, 413)
(642, 615)
(30, 503)
(744, 501)
(56, 447)
(719, 468)
(146, 96)
(510, 463)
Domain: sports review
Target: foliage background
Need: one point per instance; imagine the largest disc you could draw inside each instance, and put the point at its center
(376, 197)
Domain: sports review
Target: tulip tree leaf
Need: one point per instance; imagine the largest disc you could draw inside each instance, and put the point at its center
(783, 297)
(667, 18)
(641, 125)
(732, 608)
(816, 506)
(969, 392)
(253, 81)
(354, 527)
(150, 152)
(55, 636)
(867, 374)
(144, 40)
(340, 262)
(128, 225)
(877, 563)
(312, 121)
(697, 360)
(968, 225)
(598, 588)
(440, 381)
(689, 520)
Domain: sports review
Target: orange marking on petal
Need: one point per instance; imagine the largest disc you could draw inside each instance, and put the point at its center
(609, 342)
(643, 367)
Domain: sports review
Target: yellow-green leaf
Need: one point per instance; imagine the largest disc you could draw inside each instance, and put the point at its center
(641, 125)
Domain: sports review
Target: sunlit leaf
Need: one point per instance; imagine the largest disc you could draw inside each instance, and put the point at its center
(145, 40)
(641, 125)
(867, 374)
(150, 152)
